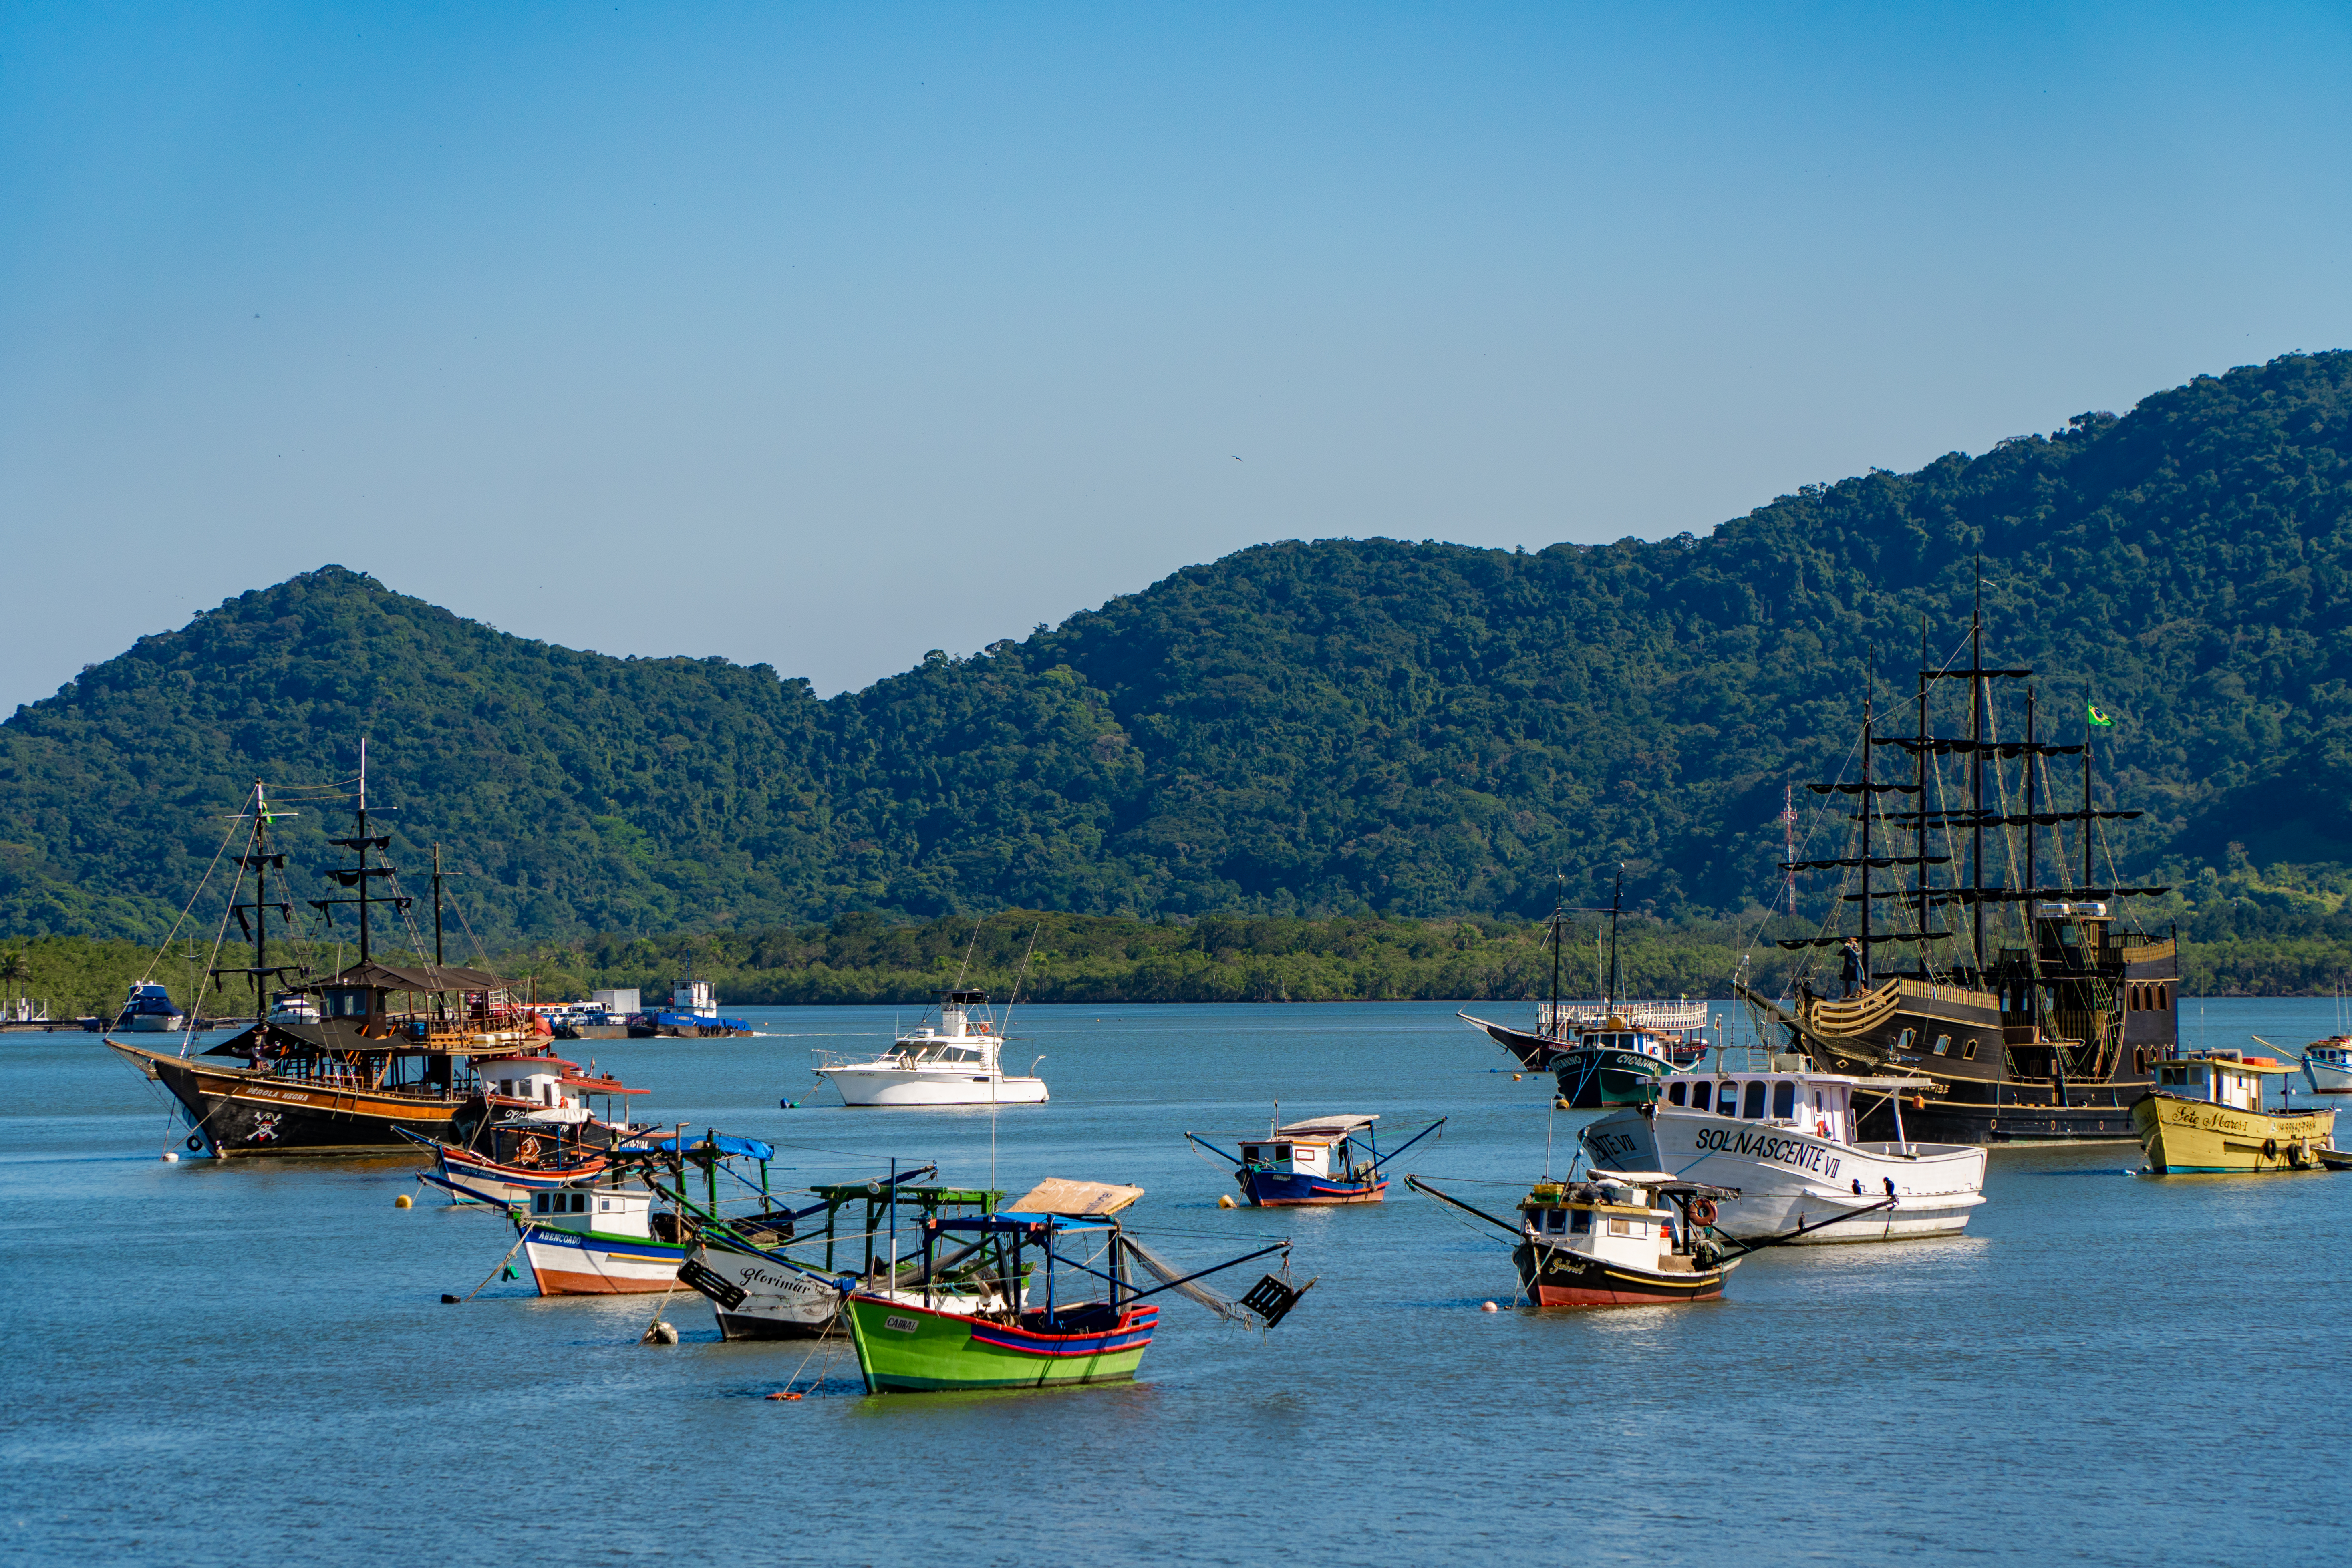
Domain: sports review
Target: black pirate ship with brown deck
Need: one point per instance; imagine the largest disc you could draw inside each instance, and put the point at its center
(351, 1079)
(2049, 1038)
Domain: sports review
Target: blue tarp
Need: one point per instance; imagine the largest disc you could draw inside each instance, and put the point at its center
(751, 1148)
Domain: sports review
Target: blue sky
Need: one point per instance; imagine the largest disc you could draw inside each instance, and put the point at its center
(824, 336)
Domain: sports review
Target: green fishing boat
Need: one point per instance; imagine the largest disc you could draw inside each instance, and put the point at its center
(1087, 1318)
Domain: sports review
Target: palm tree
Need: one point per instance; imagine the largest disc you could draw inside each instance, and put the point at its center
(14, 972)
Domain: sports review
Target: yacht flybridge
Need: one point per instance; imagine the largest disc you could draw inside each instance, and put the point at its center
(952, 1058)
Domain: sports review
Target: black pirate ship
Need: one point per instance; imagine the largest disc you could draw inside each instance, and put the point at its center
(381, 1050)
(2050, 1038)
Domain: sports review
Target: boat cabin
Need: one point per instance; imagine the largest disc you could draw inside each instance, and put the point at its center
(1327, 1146)
(609, 1211)
(1783, 1089)
(1613, 1219)
(2222, 1077)
(962, 1016)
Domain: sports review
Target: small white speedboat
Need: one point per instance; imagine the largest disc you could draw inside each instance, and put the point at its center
(1782, 1134)
(952, 1059)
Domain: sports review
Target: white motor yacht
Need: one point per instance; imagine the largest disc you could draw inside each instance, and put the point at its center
(953, 1058)
(1782, 1134)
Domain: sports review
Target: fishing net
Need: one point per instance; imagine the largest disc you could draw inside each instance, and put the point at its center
(1168, 1274)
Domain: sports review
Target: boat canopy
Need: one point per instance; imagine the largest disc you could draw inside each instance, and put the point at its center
(1091, 1200)
(434, 978)
(1012, 1221)
(749, 1148)
(1325, 1127)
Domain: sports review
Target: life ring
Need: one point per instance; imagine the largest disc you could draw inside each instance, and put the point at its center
(529, 1154)
(195, 1139)
(1821, 1126)
(1702, 1211)
(2270, 1148)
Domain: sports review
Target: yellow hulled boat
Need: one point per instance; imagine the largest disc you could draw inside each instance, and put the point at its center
(2206, 1114)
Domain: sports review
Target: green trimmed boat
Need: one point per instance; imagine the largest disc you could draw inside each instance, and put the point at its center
(905, 1346)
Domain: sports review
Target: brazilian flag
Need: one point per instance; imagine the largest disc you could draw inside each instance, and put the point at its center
(2100, 720)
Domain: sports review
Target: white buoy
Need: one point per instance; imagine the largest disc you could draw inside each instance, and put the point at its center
(171, 1156)
(661, 1334)
(1490, 1307)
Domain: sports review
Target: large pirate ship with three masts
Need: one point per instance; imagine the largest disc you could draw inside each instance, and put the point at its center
(384, 1050)
(2025, 992)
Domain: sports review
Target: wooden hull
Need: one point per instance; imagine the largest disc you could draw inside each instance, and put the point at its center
(1557, 1277)
(1530, 1050)
(904, 1349)
(238, 1112)
(2182, 1136)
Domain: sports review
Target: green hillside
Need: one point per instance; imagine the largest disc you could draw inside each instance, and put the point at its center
(1345, 726)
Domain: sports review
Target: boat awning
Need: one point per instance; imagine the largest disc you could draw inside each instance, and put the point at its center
(1325, 1127)
(749, 1148)
(1090, 1200)
(432, 978)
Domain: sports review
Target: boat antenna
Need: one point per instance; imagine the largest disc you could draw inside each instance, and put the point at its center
(1017, 979)
(966, 965)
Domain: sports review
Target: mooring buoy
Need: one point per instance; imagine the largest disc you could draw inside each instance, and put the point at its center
(402, 1202)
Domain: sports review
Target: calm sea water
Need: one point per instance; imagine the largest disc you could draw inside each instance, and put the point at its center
(245, 1363)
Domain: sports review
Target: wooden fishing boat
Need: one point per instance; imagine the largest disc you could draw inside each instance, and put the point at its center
(765, 1281)
(598, 1236)
(2205, 1114)
(1321, 1161)
(1637, 1239)
(1072, 1335)
(1624, 1239)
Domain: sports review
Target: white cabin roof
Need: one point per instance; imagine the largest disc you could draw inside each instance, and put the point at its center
(1323, 1127)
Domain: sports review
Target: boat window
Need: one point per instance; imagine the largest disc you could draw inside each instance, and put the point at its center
(1817, 1101)
(1282, 1151)
(538, 1203)
(1675, 1092)
(1969, 1052)
(604, 1204)
(1943, 1044)
(1902, 1041)
(1580, 1222)
(2171, 1078)
(1699, 1095)
(1620, 1225)
(1784, 1098)
(1752, 1101)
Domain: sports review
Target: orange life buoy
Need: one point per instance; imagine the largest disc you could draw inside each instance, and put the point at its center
(1702, 1211)
(1821, 1126)
(1919, 1102)
(529, 1154)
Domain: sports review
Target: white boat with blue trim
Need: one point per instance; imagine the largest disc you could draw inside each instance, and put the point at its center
(1782, 1133)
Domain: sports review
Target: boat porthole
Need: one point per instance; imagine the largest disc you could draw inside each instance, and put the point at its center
(195, 1140)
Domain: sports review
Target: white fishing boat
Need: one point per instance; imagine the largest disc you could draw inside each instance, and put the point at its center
(150, 1010)
(2327, 1066)
(1783, 1135)
(598, 1241)
(953, 1058)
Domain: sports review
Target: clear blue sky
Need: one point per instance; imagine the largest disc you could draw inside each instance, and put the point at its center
(825, 335)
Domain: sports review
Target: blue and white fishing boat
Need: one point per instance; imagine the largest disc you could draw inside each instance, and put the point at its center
(1324, 1159)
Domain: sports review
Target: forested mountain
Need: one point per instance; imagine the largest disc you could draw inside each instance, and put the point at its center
(1344, 726)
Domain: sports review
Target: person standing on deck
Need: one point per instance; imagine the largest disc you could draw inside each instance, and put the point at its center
(1854, 978)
